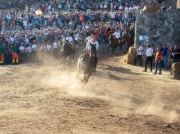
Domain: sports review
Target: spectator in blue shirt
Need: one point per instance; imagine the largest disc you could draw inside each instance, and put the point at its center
(165, 55)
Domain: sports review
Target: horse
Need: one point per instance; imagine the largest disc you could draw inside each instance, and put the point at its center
(129, 41)
(113, 44)
(67, 51)
(86, 64)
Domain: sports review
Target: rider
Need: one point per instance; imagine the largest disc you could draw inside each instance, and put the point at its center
(69, 39)
(89, 38)
(117, 35)
(93, 46)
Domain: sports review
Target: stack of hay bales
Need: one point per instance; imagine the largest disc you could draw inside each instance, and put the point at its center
(131, 56)
(175, 70)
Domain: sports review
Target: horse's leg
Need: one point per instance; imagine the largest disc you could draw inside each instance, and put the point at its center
(73, 51)
(60, 64)
(127, 48)
(86, 78)
(108, 47)
(120, 45)
(89, 74)
(112, 51)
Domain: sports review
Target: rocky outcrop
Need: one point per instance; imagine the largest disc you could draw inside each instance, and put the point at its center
(158, 28)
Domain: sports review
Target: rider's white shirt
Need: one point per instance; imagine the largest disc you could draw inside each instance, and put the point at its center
(69, 39)
(88, 39)
(88, 46)
(76, 36)
(117, 35)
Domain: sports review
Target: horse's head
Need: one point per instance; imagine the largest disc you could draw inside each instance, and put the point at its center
(125, 36)
(111, 39)
(91, 54)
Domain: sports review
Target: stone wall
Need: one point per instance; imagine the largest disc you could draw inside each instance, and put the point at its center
(158, 28)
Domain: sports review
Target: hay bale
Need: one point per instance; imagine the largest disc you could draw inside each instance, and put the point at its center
(176, 65)
(130, 61)
(175, 73)
(130, 55)
(132, 50)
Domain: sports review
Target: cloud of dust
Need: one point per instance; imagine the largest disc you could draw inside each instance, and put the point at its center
(168, 114)
(66, 80)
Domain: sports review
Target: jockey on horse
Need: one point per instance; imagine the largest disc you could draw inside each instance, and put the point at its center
(92, 47)
(69, 39)
(117, 35)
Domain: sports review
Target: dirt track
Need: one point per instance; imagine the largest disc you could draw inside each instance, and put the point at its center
(119, 98)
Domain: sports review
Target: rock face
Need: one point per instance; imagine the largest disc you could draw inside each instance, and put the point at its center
(158, 28)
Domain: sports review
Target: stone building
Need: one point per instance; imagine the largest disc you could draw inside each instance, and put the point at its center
(158, 28)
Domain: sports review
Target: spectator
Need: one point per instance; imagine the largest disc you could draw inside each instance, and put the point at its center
(149, 56)
(176, 54)
(139, 54)
(165, 56)
(158, 60)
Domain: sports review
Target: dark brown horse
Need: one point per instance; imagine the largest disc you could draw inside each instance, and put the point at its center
(113, 44)
(67, 51)
(129, 41)
(85, 65)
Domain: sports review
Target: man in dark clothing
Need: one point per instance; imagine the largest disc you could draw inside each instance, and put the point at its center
(176, 54)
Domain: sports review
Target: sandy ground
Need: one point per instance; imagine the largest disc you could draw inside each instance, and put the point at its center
(119, 98)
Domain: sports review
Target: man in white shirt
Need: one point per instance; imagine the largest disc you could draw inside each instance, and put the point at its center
(149, 57)
(69, 39)
(76, 39)
(55, 49)
(21, 54)
(29, 49)
(117, 35)
(89, 38)
(93, 46)
(139, 54)
(34, 52)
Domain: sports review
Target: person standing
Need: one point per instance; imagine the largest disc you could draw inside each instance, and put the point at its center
(176, 54)
(165, 56)
(29, 49)
(139, 54)
(158, 60)
(69, 39)
(149, 57)
(15, 58)
(21, 54)
(34, 52)
(1, 54)
(55, 49)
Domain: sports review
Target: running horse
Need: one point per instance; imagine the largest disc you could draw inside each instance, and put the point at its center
(113, 44)
(67, 51)
(86, 64)
(129, 41)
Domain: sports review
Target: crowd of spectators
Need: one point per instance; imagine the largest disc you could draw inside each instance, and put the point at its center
(23, 29)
